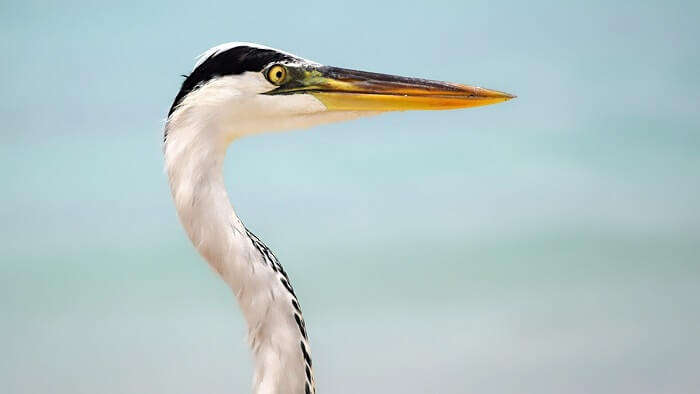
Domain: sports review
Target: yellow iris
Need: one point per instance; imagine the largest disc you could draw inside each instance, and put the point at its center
(277, 74)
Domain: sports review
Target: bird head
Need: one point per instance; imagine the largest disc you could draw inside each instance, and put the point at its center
(249, 88)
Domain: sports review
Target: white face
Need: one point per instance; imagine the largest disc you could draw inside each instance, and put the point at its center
(249, 89)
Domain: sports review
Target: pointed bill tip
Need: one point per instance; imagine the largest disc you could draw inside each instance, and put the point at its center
(494, 94)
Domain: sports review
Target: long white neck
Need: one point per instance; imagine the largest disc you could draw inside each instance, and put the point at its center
(194, 154)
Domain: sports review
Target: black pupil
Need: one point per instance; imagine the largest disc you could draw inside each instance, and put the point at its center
(278, 74)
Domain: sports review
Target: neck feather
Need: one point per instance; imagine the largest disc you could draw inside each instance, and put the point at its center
(194, 155)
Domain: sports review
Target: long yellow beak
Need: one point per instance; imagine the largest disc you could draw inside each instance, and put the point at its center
(350, 90)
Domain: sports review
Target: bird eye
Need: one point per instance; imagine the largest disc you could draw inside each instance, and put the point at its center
(277, 74)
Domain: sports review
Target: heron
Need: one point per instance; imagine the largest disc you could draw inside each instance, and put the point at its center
(239, 89)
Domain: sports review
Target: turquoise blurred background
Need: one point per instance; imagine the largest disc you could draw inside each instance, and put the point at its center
(550, 244)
